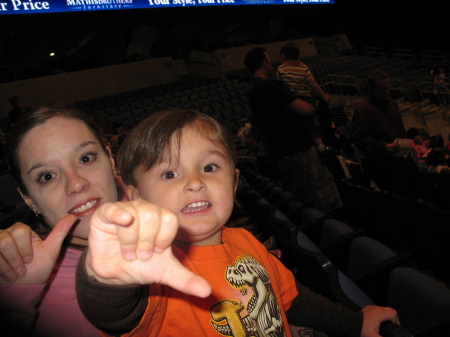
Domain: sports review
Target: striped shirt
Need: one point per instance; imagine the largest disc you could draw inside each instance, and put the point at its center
(296, 76)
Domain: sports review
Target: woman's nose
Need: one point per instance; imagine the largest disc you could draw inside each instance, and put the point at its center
(75, 183)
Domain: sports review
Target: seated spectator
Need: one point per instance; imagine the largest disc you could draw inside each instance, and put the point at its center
(420, 148)
(437, 142)
(119, 136)
(412, 132)
(436, 162)
(378, 131)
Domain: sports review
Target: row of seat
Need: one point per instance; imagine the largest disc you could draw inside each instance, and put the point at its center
(224, 100)
(11, 203)
(344, 263)
(410, 225)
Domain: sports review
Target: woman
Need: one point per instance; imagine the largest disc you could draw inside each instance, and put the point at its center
(64, 172)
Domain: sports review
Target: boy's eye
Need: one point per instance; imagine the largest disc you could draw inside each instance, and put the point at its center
(210, 168)
(169, 175)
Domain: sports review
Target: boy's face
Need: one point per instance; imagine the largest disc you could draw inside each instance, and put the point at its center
(199, 188)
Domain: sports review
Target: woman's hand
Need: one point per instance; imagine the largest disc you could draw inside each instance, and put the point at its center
(27, 259)
(130, 243)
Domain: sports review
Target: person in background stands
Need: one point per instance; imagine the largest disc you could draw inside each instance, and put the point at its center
(377, 130)
(283, 121)
(298, 78)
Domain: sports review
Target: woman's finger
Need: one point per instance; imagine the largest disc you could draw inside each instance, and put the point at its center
(11, 262)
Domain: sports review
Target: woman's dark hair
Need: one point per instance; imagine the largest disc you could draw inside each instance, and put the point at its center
(15, 138)
(149, 142)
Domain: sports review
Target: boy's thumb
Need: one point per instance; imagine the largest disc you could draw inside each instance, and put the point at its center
(59, 232)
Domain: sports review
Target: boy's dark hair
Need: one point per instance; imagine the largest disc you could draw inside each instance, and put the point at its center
(150, 141)
(290, 51)
(254, 59)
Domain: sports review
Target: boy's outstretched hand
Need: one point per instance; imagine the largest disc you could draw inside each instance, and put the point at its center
(130, 243)
(374, 316)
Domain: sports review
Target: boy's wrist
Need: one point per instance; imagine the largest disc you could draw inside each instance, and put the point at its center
(93, 275)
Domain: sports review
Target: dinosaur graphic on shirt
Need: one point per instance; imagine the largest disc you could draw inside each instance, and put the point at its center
(260, 316)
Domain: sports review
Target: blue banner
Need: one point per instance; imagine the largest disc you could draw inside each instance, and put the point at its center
(54, 6)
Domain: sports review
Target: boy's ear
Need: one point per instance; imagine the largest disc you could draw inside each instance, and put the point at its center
(132, 193)
(28, 201)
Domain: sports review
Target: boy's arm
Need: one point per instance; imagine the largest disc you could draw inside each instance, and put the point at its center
(315, 311)
(113, 309)
(130, 248)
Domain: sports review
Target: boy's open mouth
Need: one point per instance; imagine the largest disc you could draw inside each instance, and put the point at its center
(196, 206)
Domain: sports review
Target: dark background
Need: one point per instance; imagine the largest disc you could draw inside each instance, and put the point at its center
(83, 40)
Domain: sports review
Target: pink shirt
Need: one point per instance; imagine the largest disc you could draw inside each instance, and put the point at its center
(53, 306)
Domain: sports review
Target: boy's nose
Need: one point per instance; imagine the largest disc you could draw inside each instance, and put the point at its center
(194, 183)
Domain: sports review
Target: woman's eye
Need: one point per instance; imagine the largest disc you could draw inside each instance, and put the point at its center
(87, 158)
(170, 175)
(210, 168)
(45, 177)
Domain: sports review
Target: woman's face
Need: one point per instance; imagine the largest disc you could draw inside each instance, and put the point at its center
(66, 170)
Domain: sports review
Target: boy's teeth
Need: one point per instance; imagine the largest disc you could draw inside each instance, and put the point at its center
(85, 207)
(198, 204)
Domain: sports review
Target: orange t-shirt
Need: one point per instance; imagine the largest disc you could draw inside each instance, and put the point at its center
(251, 292)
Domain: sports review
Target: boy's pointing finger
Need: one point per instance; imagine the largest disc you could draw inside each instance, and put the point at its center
(184, 280)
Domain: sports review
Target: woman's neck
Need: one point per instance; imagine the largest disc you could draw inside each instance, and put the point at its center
(77, 243)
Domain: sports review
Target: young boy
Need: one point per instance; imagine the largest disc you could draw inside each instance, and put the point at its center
(163, 264)
(297, 76)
